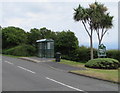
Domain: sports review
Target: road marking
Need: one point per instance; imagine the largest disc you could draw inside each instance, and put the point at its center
(64, 84)
(26, 69)
(9, 62)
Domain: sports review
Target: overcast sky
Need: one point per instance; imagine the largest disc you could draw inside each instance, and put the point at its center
(56, 16)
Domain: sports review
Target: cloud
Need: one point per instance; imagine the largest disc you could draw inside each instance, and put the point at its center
(14, 21)
(56, 16)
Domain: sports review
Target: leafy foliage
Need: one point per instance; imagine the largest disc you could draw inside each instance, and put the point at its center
(113, 54)
(33, 35)
(21, 50)
(13, 36)
(101, 19)
(48, 34)
(82, 54)
(66, 43)
(37, 34)
(14, 39)
(94, 18)
(103, 63)
(18, 42)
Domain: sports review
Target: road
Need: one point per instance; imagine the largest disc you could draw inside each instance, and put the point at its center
(21, 75)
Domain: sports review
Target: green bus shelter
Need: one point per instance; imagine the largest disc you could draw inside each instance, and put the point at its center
(45, 48)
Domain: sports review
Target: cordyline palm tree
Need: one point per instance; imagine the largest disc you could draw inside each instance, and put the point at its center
(101, 21)
(105, 24)
(94, 18)
(83, 15)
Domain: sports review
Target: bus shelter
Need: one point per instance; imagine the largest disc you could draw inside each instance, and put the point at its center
(45, 48)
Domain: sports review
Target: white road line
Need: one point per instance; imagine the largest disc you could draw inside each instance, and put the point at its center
(9, 62)
(64, 84)
(26, 69)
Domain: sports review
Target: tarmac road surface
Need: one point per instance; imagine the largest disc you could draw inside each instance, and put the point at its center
(21, 75)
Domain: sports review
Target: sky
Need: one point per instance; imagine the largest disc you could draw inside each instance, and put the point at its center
(56, 16)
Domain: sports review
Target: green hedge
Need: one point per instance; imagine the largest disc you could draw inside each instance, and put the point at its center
(21, 50)
(114, 54)
(82, 54)
(103, 63)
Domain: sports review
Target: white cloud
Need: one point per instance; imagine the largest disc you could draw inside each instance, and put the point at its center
(54, 16)
(13, 21)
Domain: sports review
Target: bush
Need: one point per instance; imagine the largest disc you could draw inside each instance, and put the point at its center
(65, 57)
(103, 63)
(73, 56)
(83, 54)
(21, 50)
(113, 54)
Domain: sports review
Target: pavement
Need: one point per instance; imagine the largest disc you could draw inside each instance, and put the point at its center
(57, 66)
(50, 63)
(24, 75)
(37, 59)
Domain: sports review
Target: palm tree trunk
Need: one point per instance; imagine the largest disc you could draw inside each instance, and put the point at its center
(100, 42)
(91, 48)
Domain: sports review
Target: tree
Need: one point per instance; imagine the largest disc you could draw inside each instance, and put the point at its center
(66, 43)
(106, 23)
(102, 21)
(13, 36)
(42, 33)
(48, 34)
(94, 18)
(83, 15)
(33, 35)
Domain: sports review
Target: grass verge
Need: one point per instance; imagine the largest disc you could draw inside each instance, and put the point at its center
(110, 75)
(72, 63)
(15, 56)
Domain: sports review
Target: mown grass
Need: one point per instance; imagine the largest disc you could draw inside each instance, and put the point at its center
(72, 63)
(15, 56)
(11, 56)
(111, 75)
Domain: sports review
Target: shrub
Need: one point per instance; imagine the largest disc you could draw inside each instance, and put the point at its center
(21, 50)
(103, 63)
(113, 54)
(65, 57)
(83, 54)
